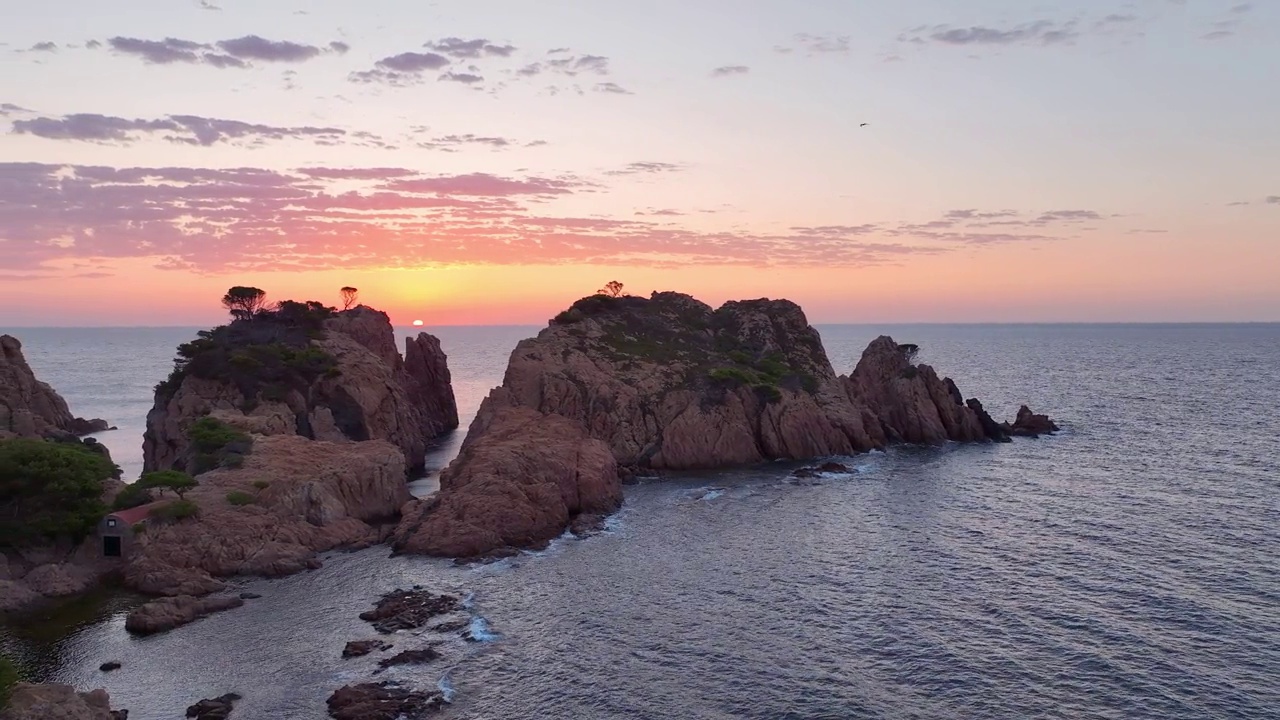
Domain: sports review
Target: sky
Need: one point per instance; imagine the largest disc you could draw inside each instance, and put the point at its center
(490, 162)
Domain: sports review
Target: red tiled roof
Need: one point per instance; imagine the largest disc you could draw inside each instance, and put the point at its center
(134, 515)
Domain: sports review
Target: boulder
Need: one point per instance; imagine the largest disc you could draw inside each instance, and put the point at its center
(52, 701)
(410, 657)
(618, 387)
(171, 612)
(371, 393)
(381, 701)
(1029, 424)
(110, 666)
(30, 408)
(408, 609)
(360, 648)
(218, 708)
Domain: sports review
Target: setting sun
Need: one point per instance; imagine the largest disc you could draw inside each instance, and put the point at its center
(417, 323)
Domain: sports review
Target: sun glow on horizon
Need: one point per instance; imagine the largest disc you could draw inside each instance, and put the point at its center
(417, 323)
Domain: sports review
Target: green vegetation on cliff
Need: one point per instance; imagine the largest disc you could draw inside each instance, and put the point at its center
(266, 354)
(217, 444)
(49, 490)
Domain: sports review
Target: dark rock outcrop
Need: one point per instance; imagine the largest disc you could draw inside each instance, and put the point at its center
(410, 657)
(381, 701)
(218, 708)
(30, 408)
(109, 666)
(408, 609)
(53, 701)
(621, 386)
(171, 612)
(1029, 424)
(360, 648)
(369, 393)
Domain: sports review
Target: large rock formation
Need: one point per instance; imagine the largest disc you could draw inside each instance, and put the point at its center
(667, 383)
(58, 702)
(300, 497)
(30, 408)
(314, 373)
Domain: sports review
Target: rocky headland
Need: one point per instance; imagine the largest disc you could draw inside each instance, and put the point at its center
(619, 385)
(59, 702)
(30, 408)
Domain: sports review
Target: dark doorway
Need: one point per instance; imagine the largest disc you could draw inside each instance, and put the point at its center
(111, 546)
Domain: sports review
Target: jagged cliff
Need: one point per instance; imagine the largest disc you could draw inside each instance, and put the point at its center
(306, 371)
(30, 408)
(668, 383)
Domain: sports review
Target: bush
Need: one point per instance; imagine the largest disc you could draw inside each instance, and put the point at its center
(131, 496)
(261, 485)
(238, 498)
(175, 511)
(768, 393)
(139, 528)
(174, 480)
(232, 460)
(733, 375)
(49, 490)
(214, 442)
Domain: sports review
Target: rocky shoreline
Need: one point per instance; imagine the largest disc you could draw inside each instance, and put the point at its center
(300, 426)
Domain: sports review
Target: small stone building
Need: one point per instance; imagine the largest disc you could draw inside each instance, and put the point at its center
(116, 530)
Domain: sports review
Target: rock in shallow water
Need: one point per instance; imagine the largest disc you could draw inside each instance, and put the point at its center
(360, 648)
(171, 612)
(218, 708)
(381, 701)
(408, 609)
(109, 666)
(410, 657)
(1029, 424)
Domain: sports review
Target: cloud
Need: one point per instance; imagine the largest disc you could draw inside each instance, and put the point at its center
(614, 88)
(451, 143)
(817, 44)
(1273, 199)
(403, 69)
(1242, 8)
(469, 49)
(252, 219)
(253, 47)
(159, 52)
(233, 53)
(93, 44)
(207, 5)
(637, 168)
(576, 64)
(465, 78)
(7, 109)
(185, 129)
(45, 46)
(1039, 32)
(727, 70)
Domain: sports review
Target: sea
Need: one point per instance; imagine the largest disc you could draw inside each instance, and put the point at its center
(1127, 567)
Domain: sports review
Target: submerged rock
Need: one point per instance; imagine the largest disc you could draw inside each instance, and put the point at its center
(218, 708)
(109, 666)
(360, 648)
(410, 657)
(381, 701)
(171, 612)
(616, 387)
(408, 609)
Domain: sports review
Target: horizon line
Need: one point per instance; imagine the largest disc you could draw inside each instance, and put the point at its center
(967, 323)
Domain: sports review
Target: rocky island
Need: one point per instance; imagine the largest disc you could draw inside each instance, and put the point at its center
(619, 385)
(288, 432)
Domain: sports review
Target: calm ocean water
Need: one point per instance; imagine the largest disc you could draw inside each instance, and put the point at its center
(1127, 568)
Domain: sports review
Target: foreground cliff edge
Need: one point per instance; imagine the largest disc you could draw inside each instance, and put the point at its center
(619, 385)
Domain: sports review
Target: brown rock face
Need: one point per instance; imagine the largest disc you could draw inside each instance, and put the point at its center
(30, 408)
(1029, 424)
(372, 393)
(171, 612)
(320, 496)
(521, 482)
(666, 383)
(56, 702)
(381, 701)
